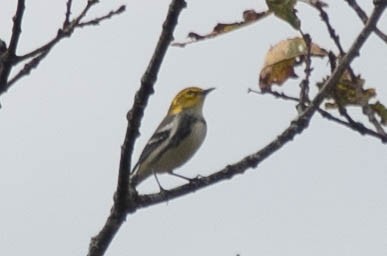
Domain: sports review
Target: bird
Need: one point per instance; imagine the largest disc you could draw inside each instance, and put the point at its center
(177, 138)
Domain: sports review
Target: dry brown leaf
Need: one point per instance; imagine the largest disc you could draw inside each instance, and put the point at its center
(350, 92)
(249, 17)
(281, 59)
(277, 74)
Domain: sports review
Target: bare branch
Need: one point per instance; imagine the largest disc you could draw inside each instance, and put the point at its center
(100, 242)
(363, 16)
(28, 67)
(8, 59)
(68, 13)
(335, 37)
(353, 125)
(304, 85)
(62, 33)
(359, 127)
(16, 30)
(41, 52)
(96, 21)
(343, 111)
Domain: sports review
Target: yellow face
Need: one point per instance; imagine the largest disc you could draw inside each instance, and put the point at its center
(188, 98)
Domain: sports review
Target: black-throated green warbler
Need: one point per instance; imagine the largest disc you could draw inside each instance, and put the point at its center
(176, 139)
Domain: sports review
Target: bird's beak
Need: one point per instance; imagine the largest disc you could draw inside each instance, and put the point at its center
(207, 91)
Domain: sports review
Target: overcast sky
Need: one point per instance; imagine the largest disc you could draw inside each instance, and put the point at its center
(62, 127)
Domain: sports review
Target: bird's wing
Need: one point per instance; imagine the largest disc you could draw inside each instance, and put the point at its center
(162, 133)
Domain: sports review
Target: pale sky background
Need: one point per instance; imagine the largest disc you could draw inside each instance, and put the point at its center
(325, 193)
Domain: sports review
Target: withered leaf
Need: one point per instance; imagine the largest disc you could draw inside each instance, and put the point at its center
(281, 59)
(284, 9)
(249, 17)
(381, 110)
(350, 91)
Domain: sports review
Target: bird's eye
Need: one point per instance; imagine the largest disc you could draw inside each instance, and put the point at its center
(191, 94)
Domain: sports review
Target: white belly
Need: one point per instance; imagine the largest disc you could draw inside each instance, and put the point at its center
(184, 151)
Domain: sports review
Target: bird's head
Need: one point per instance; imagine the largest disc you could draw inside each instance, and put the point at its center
(189, 98)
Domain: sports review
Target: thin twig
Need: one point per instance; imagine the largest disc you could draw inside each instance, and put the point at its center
(28, 67)
(41, 52)
(356, 126)
(343, 111)
(359, 128)
(335, 37)
(62, 33)
(16, 30)
(363, 16)
(68, 13)
(9, 58)
(304, 85)
(97, 21)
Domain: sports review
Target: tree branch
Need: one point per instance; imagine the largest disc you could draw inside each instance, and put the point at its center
(304, 85)
(335, 37)
(8, 59)
(356, 126)
(37, 55)
(98, 20)
(100, 242)
(66, 31)
(296, 127)
(69, 4)
(28, 67)
(363, 16)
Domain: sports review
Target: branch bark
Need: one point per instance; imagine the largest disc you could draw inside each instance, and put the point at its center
(363, 16)
(355, 126)
(8, 59)
(36, 56)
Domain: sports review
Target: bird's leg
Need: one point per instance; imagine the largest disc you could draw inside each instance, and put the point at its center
(163, 190)
(180, 176)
